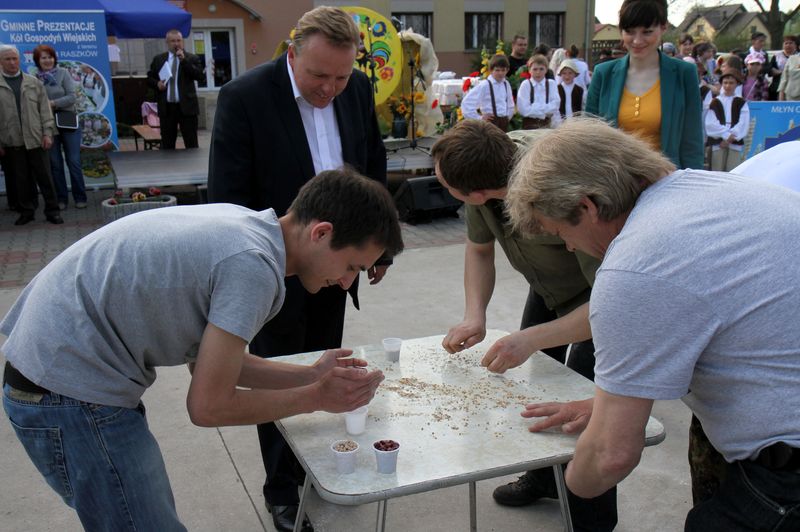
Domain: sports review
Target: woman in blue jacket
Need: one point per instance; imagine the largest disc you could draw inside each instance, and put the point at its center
(646, 91)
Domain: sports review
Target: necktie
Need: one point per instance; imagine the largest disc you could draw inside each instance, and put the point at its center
(172, 95)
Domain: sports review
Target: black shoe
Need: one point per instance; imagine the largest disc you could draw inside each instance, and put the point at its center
(55, 219)
(24, 219)
(525, 490)
(283, 518)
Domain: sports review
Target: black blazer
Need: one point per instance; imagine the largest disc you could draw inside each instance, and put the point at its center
(259, 152)
(190, 69)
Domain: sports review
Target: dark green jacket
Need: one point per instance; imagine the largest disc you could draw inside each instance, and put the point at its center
(681, 106)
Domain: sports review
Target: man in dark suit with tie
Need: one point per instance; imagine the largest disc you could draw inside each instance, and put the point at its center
(275, 128)
(176, 95)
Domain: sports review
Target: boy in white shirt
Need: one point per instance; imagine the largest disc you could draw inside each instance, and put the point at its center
(727, 123)
(571, 94)
(492, 99)
(537, 98)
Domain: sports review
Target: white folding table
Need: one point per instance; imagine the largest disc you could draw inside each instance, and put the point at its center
(456, 423)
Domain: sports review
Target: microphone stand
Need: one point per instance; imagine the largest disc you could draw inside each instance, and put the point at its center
(373, 79)
(415, 73)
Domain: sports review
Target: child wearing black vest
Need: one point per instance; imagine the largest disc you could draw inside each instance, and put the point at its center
(727, 122)
(572, 95)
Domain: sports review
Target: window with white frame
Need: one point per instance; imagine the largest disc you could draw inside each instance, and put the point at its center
(546, 28)
(482, 29)
(421, 23)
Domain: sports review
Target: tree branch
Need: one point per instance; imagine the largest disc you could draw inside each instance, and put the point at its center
(761, 7)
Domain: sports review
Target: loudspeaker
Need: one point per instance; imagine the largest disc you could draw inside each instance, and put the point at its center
(420, 199)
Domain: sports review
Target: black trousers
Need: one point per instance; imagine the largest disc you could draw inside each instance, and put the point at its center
(170, 119)
(588, 515)
(306, 322)
(26, 169)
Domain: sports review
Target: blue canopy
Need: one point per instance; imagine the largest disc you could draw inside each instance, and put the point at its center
(125, 19)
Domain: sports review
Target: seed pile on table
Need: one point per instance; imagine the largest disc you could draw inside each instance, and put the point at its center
(457, 402)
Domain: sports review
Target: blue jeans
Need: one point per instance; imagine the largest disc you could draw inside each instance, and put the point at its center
(102, 460)
(751, 497)
(70, 140)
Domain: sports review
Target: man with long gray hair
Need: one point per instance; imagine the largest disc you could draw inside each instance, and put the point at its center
(696, 298)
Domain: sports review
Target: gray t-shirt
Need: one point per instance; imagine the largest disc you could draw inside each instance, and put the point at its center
(698, 298)
(138, 294)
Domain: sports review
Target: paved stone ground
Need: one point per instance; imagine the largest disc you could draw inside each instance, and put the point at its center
(26, 250)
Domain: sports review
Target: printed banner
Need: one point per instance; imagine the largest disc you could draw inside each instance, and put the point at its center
(772, 123)
(79, 39)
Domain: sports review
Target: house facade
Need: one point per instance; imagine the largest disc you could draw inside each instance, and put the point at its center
(728, 26)
(232, 36)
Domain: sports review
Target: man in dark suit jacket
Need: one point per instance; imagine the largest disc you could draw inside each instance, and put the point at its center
(275, 128)
(177, 96)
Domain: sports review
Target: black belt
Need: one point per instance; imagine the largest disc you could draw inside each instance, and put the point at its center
(779, 456)
(17, 380)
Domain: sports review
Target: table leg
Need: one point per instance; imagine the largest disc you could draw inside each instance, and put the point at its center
(563, 497)
(473, 511)
(380, 522)
(301, 507)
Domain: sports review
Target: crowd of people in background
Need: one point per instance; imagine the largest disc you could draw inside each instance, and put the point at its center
(557, 83)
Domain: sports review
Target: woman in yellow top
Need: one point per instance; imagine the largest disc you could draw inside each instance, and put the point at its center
(648, 92)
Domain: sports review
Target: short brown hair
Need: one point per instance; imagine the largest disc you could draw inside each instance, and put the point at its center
(474, 155)
(538, 59)
(584, 157)
(337, 26)
(44, 48)
(361, 210)
(499, 61)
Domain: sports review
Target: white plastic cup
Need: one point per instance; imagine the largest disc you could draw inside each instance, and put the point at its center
(386, 460)
(345, 460)
(392, 347)
(355, 421)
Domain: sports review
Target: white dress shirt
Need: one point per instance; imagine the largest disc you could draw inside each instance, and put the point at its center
(722, 131)
(542, 106)
(481, 98)
(322, 131)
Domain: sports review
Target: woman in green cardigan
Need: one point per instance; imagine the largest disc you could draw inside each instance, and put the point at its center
(646, 91)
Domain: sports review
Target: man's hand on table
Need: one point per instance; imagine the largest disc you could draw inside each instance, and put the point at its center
(572, 417)
(464, 335)
(508, 352)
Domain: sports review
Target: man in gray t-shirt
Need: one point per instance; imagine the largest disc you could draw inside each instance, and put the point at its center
(173, 286)
(696, 298)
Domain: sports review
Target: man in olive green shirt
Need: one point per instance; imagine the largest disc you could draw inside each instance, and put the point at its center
(473, 163)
